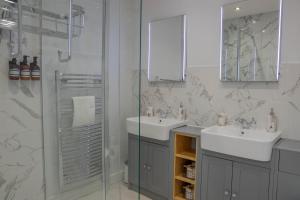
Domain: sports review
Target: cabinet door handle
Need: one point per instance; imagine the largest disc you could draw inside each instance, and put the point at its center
(233, 195)
(226, 193)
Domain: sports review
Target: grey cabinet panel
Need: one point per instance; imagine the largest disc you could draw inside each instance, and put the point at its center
(288, 186)
(216, 179)
(136, 167)
(144, 148)
(153, 167)
(133, 161)
(159, 168)
(250, 182)
(290, 162)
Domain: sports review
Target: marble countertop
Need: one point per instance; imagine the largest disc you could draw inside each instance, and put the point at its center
(193, 130)
(288, 145)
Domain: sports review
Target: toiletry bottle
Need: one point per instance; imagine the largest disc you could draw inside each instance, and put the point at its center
(35, 70)
(222, 119)
(272, 121)
(150, 111)
(181, 112)
(24, 69)
(14, 70)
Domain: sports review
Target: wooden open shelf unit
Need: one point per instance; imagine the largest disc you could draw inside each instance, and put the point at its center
(185, 152)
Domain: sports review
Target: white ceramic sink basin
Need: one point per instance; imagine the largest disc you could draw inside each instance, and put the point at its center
(153, 127)
(251, 144)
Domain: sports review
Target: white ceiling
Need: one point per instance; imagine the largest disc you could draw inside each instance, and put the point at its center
(249, 7)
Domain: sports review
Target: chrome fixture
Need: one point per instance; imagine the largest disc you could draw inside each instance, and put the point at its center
(70, 31)
(81, 149)
(14, 10)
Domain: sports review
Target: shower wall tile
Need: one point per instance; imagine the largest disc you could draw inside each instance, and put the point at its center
(21, 163)
(204, 96)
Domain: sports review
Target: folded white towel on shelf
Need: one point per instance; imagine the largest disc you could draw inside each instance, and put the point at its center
(84, 110)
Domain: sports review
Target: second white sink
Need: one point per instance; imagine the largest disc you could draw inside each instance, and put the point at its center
(231, 140)
(153, 127)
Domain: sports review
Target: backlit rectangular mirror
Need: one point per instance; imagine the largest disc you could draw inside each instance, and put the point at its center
(167, 49)
(250, 41)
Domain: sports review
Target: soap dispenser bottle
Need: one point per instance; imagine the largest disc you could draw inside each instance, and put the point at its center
(14, 70)
(24, 69)
(181, 112)
(35, 70)
(272, 122)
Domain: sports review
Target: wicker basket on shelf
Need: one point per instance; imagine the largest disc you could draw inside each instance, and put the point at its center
(190, 171)
(189, 192)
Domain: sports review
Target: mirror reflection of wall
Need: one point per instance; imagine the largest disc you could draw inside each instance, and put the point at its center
(167, 49)
(250, 41)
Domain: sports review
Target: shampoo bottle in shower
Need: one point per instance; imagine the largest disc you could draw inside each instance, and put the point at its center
(14, 70)
(24, 69)
(35, 70)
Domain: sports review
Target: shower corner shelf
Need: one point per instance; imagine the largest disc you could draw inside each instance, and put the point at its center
(57, 24)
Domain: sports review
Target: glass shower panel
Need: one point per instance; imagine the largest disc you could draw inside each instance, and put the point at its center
(123, 38)
(73, 99)
(21, 163)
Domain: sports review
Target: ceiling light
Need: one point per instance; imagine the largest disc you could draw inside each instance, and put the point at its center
(237, 9)
(253, 21)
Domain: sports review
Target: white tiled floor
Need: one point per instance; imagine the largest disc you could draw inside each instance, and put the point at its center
(116, 192)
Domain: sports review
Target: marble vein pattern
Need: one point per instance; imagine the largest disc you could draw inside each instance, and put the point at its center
(250, 47)
(204, 96)
(21, 161)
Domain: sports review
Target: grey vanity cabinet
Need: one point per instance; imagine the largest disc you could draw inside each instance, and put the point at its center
(135, 167)
(228, 180)
(159, 169)
(216, 178)
(287, 173)
(288, 186)
(250, 182)
(153, 167)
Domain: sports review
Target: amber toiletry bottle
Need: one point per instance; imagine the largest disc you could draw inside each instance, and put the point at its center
(25, 69)
(35, 70)
(14, 70)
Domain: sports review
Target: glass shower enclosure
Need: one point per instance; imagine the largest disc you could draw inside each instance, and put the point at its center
(63, 119)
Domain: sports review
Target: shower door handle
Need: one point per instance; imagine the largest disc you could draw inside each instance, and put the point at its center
(70, 35)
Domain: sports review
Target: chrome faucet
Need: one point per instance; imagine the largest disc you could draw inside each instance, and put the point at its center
(244, 124)
(164, 114)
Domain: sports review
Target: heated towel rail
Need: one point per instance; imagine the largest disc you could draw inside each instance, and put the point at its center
(81, 149)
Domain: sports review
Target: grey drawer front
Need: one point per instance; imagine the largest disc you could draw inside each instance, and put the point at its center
(289, 162)
(288, 187)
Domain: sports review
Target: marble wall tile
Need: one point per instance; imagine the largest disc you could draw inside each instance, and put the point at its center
(204, 96)
(21, 161)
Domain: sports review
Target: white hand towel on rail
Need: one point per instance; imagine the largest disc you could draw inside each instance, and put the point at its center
(84, 110)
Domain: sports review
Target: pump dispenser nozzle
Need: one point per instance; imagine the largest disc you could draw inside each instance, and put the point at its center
(24, 69)
(35, 69)
(25, 59)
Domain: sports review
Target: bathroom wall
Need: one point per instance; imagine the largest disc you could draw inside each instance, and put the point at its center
(203, 95)
(21, 163)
